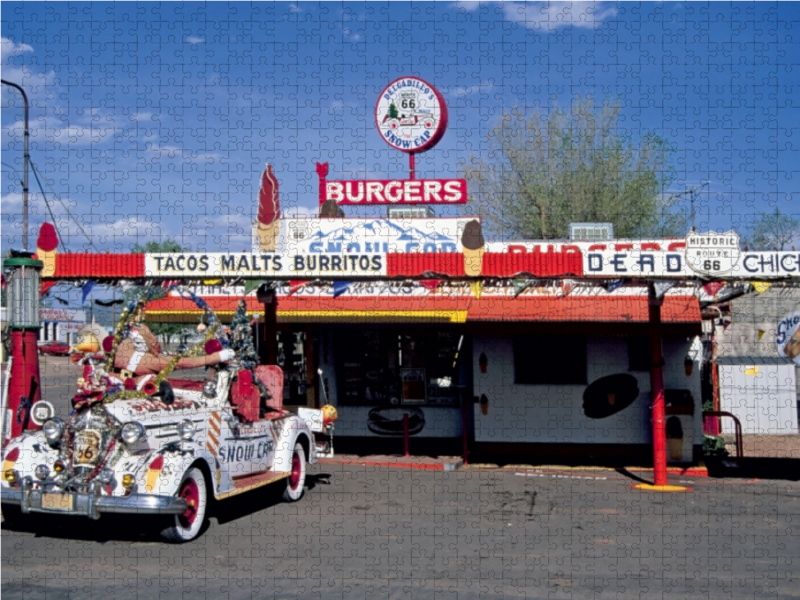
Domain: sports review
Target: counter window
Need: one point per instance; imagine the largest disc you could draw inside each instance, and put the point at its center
(390, 367)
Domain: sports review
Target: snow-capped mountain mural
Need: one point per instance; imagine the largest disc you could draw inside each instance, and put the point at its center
(371, 235)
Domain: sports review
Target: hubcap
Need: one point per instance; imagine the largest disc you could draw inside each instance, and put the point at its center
(191, 494)
(297, 468)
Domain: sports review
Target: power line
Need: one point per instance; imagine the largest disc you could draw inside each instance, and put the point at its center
(64, 206)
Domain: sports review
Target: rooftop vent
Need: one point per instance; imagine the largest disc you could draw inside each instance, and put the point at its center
(591, 232)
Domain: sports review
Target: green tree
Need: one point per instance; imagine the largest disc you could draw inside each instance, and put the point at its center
(541, 172)
(165, 332)
(392, 113)
(773, 231)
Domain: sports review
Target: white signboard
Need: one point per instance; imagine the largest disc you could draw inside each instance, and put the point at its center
(712, 254)
(353, 236)
(787, 337)
(300, 266)
(62, 314)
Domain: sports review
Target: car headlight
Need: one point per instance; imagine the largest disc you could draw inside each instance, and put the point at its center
(186, 429)
(53, 429)
(105, 476)
(131, 432)
(210, 389)
(41, 472)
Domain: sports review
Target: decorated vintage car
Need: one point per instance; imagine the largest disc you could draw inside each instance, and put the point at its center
(140, 442)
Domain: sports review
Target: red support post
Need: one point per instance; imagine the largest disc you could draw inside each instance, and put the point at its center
(657, 389)
(24, 386)
(405, 435)
(412, 166)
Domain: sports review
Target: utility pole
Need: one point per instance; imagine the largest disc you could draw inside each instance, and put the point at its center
(25, 160)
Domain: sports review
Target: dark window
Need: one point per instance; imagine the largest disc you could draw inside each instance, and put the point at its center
(549, 359)
(638, 353)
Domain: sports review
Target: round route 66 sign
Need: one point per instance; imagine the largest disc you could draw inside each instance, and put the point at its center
(411, 115)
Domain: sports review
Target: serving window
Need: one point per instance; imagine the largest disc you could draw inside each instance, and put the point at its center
(400, 367)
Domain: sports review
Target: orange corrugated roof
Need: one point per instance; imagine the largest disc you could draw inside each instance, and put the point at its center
(614, 309)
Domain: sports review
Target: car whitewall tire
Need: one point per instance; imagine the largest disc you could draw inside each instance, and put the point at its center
(187, 526)
(296, 482)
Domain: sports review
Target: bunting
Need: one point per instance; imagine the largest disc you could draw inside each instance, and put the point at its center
(760, 286)
(86, 289)
(476, 287)
(340, 287)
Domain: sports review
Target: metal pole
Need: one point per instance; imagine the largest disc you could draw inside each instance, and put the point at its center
(25, 159)
(411, 166)
(657, 389)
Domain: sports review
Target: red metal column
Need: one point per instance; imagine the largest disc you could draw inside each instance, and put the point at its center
(24, 381)
(657, 389)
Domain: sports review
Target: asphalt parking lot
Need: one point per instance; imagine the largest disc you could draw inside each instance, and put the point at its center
(378, 532)
(385, 533)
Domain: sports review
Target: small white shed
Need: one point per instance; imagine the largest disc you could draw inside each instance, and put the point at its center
(761, 392)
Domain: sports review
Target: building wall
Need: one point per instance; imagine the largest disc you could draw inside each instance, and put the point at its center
(555, 413)
(758, 382)
(755, 319)
(763, 396)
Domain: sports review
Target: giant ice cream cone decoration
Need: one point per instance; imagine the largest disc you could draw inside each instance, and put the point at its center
(269, 211)
(474, 248)
(46, 247)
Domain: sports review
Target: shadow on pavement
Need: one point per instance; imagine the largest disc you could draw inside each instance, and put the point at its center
(754, 468)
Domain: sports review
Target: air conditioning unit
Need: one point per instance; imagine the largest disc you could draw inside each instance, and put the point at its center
(591, 232)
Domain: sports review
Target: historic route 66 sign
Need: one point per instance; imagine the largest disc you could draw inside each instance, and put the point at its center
(712, 253)
(411, 115)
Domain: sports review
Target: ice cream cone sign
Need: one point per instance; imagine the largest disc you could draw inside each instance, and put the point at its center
(46, 248)
(269, 211)
(474, 248)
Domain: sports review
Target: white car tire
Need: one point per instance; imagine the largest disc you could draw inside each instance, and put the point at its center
(187, 526)
(296, 482)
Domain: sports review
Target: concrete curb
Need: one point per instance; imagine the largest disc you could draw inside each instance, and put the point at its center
(457, 464)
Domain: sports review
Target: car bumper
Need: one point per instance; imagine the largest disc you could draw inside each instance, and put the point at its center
(90, 504)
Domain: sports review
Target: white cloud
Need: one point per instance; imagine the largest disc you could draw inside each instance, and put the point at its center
(32, 82)
(468, 6)
(10, 202)
(51, 130)
(552, 15)
(168, 152)
(11, 48)
(141, 116)
(471, 89)
(193, 39)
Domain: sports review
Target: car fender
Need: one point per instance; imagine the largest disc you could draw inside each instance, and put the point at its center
(33, 450)
(162, 471)
(293, 430)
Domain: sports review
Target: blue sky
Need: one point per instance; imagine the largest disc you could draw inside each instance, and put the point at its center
(154, 120)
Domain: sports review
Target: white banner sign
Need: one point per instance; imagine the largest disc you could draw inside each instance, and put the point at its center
(62, 314)
(353, 236)
(300, 266)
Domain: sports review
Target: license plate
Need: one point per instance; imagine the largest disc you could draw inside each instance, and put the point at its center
(58, 501)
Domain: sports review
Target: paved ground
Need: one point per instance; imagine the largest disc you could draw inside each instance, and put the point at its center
(369, 532)
(366, 531)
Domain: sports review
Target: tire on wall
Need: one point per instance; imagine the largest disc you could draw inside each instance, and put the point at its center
(296, 482)
(188, 525)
